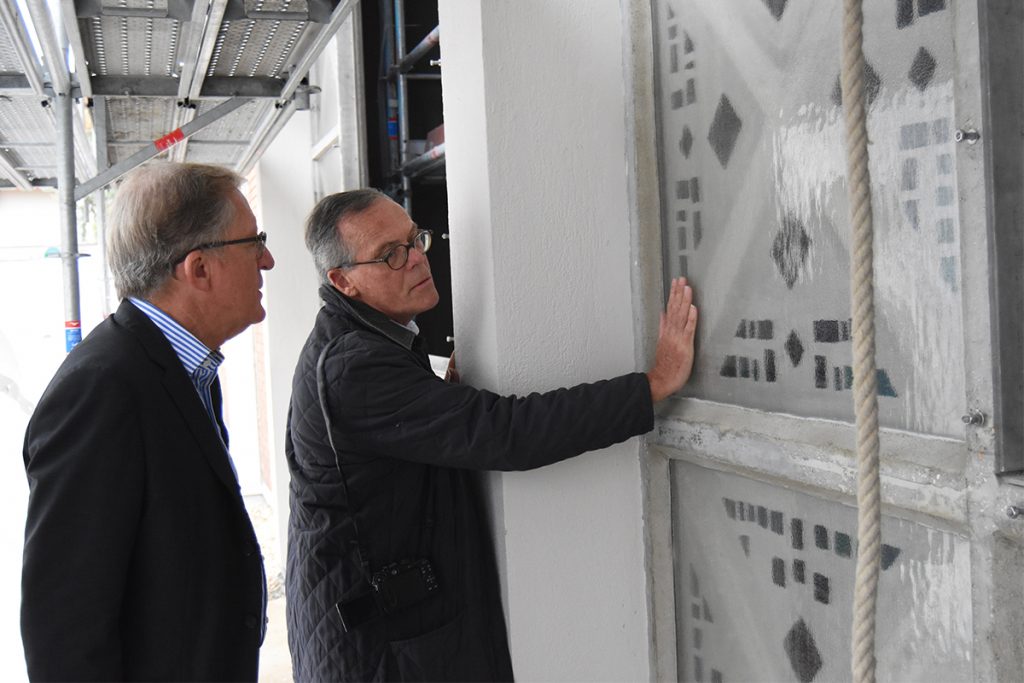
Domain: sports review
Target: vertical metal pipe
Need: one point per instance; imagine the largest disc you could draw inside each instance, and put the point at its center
(390, 87)
(403, 103)
(68, 218)
(101, 234)
(99, 118)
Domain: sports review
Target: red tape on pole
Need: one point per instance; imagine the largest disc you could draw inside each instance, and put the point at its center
(169, 140)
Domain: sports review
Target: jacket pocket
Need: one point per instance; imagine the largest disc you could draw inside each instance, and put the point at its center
(433, 656)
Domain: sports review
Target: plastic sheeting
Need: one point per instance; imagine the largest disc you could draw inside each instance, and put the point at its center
(755, 209)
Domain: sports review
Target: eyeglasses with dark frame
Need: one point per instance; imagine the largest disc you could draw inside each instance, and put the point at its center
(260, 240)
(397, 256)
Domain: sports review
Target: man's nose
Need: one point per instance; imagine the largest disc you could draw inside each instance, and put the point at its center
(418, 256)
(266, 261)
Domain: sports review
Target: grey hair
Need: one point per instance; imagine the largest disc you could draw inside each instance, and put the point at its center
(164, 210)
(323, 238)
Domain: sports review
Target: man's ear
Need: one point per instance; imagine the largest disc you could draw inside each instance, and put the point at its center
(342, 283)
(195, 271)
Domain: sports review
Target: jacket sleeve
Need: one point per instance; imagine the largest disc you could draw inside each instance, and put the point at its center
(386, 405)
(85, 471)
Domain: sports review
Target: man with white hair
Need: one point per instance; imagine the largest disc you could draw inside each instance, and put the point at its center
(140, 561)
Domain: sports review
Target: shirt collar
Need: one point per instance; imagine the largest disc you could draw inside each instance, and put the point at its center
(403, 335)
(192, 353)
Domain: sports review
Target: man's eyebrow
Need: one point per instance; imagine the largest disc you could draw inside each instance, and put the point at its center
(393, 243)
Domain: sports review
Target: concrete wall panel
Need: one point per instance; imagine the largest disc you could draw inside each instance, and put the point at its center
(756, 212)
(764, 586)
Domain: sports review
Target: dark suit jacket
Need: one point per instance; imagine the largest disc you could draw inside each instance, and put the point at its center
(140, 560)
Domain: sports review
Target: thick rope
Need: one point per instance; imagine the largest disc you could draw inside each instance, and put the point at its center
(865, 392)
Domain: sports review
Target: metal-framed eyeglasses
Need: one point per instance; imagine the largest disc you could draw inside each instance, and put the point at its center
(397, 256)
(259, 240)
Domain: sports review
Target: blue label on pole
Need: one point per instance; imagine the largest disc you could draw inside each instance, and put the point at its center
(72, 336)
(392, 128)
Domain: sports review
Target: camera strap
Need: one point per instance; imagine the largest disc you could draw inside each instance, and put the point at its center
(321, 390)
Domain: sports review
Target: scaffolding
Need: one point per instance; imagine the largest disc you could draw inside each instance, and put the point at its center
(140, 81)
(410, 159)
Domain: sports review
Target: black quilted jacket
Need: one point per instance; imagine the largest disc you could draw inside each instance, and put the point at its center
(409, 445)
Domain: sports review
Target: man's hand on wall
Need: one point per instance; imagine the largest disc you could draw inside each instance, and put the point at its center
(673, 357)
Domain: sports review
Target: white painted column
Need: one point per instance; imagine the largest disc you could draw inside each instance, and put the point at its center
(534, 108)
(291, 300)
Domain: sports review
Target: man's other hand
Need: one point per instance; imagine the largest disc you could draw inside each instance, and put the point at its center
(451, 375)
(673, 357)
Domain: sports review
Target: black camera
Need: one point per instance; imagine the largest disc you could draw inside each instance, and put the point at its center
(393, 588)
(403, 584)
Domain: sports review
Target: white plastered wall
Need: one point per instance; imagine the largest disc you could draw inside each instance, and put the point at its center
(291, 299)
(534, 108)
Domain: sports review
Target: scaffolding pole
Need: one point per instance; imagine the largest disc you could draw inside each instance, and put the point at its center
(62, 104)
(432, 40)
(403, 103)
(99, 117)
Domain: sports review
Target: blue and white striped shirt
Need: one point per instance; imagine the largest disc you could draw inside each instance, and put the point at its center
(201, 366)
(200, 362)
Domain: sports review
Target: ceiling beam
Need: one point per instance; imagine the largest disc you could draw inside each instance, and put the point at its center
(318, 11)
(168, 86)
(192, 32)
(88, 9)
(53, 60)
(197, 61)
(38, 182)
(15, 84)
(299, 70)
(70, 20)
(13, 174)
(15, 27)
(60, 78)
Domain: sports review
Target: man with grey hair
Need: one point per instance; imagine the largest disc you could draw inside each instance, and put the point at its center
(390, 570)
(140, 561)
